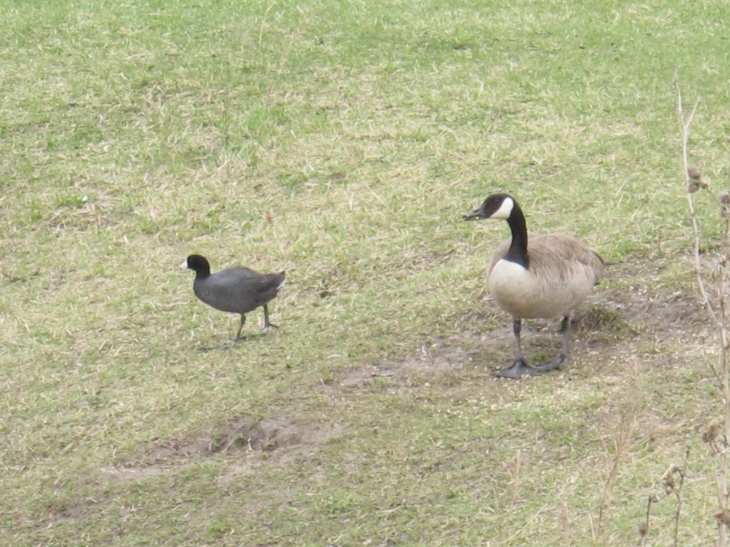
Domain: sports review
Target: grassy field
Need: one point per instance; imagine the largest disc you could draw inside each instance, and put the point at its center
(341, 141)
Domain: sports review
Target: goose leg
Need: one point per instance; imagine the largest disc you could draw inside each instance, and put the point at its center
(267, 324)
(240, 328)
(564, 351)
(519, 368)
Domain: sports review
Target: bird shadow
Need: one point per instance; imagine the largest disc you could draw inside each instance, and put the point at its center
(230, 344)
(225, 346)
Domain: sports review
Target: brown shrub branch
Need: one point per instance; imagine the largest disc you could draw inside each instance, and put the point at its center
(716, 309)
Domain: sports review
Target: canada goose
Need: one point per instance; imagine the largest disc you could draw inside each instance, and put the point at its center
(550, 278)
(235, 290)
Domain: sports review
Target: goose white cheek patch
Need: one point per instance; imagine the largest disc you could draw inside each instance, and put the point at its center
(505, 210)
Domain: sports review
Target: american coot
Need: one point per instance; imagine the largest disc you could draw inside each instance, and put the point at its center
(235, 290)
(548, 279)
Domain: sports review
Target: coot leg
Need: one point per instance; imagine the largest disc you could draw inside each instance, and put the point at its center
(268, 324)
(240, 328)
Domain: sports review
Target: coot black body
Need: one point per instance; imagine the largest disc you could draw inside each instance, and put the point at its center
(235, 290)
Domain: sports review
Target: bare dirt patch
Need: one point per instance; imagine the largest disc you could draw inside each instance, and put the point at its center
(616, 322)
(245, 435)
(435, 362)
(658, 311)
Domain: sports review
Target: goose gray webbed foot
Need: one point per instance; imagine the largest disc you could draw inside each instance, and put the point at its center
(552, 365)
(519, 369)
(563, 355)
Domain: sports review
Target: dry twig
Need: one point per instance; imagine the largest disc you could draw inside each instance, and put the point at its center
(717, 310)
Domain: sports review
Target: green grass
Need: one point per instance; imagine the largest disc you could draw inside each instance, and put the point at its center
(342, 141)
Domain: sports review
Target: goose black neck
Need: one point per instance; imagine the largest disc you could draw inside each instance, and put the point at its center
(517, 252)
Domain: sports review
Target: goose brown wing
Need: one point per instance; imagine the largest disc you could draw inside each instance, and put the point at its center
(564, 258)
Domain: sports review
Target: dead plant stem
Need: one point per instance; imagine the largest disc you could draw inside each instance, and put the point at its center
(678, 493)
(720, 320)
